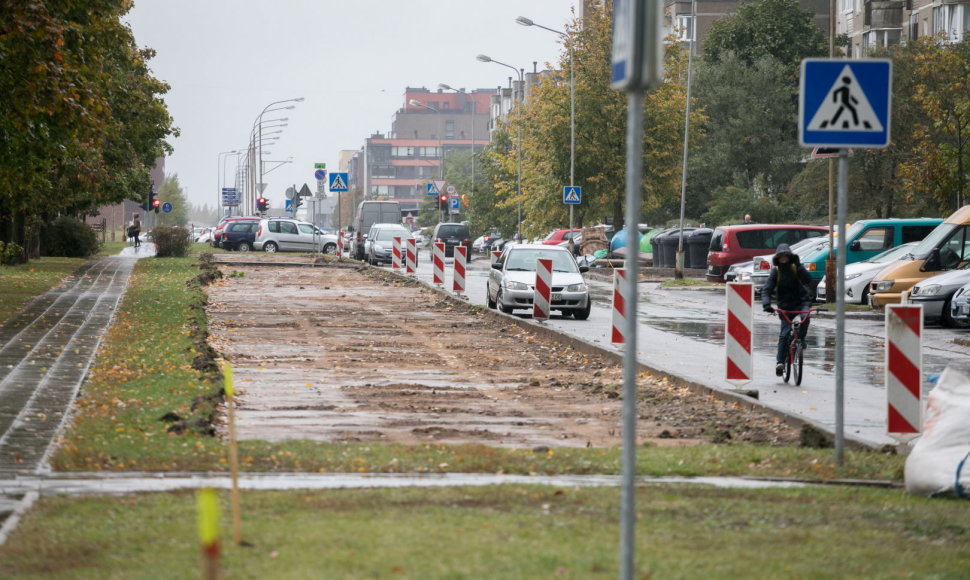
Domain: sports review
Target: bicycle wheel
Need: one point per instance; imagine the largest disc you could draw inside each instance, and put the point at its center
(799, 359)
(788, 361)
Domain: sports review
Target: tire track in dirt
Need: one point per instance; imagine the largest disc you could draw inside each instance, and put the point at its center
(343, 353)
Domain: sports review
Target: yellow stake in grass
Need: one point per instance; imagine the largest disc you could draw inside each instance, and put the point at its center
(233, 456)
(207, 501)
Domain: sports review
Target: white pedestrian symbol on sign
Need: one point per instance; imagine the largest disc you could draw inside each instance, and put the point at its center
(337, 182)
(571, 195)
(845, 108)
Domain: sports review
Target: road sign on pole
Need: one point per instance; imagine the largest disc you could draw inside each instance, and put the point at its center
(572, 195)
(433, 189)
(167, 207)
(453, 205)
(320, 174)
(845, 102)
(338, 182)
(638, 47)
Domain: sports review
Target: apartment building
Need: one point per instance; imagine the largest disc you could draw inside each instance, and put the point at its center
(399, 164)
(872, 24)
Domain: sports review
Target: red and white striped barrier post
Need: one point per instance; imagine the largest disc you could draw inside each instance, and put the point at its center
(904, 369)
(738, 333)
(619, 306)
(495, 254)
(411, 255)
(438, 261)
(340, 245)
(543, 291)
(396, 252)
(458, 277)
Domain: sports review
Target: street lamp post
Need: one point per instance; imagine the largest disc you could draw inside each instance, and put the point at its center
(441, 149)
(258, 124)
(518, 163)
(474, 112)
(572, 104)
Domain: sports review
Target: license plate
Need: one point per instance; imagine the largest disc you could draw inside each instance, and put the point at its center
(556, 296)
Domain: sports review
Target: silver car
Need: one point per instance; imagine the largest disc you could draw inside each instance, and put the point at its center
(281, 234)
(936, 294)
(960, 305)
(511, 281)
(380, 242)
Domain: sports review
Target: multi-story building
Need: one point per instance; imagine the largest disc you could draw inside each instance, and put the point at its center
(870, 24)
(398, 165)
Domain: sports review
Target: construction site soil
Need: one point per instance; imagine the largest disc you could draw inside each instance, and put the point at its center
(342, 352)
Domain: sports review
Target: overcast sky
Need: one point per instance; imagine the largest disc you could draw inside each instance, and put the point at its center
(350, 59)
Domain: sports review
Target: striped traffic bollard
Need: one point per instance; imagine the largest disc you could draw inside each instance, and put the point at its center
(340, 245)
(458, 279)
(619, 306)
(438, 262)
(411, 256)
(396, 252)
(495, 255)
(737, 335)
(543, 291)
(904, 369)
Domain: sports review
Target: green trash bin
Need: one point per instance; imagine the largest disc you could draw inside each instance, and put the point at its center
(646, 247)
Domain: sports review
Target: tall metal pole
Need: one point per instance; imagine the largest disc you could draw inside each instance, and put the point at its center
(830, 261)
(572, 129)
(679, 262)
(634, 174)
(518, 163)
(840, 309)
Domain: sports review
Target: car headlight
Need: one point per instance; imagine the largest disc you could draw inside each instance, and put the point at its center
(513, 285)
(744, 277)
(853, 276)
(884, 285)
(929, 290)
(576, 288)
(378, 248)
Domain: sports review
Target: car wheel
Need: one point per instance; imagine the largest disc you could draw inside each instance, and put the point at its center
(271, 247)
(488, 299)
(948, 320)
(502, 307)
(584, 313)
(330, 249)
(244, 247)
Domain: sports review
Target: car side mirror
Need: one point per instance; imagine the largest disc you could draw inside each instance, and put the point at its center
(497, 266)
(583, 269)
(932, 262)
(856, 245)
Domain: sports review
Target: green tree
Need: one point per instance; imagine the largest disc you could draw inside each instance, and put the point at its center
(776, 28)
(81, 121)
(940, 158)
(171, 192)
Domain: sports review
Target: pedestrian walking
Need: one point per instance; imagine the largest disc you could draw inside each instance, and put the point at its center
(134, 230)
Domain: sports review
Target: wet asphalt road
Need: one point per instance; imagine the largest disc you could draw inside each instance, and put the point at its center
(681, 332)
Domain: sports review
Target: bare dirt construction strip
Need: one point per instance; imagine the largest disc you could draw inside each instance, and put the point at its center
(347, 353)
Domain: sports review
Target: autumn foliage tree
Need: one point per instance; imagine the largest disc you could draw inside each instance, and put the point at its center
(81, 119)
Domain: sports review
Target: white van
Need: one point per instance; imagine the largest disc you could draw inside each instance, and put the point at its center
(370, 213)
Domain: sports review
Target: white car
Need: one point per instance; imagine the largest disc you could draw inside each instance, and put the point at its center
(762, 264)
(512, 279)
(205, 236)
(859, 274)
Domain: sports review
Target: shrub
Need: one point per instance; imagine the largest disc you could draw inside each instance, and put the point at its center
(70, 238)
(10, 254)
(171, 242)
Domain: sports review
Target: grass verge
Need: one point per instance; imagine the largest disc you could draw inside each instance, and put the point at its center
(23, 282)
(152, 394)
(508, 531)
(681, 282)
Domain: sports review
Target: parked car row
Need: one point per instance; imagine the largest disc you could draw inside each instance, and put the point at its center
(245, 233)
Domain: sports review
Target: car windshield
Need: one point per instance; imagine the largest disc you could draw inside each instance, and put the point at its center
(388, 234)
(524, 260)
(933, 240)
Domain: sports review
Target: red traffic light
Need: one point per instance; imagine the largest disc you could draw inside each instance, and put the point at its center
(262, 204)
(156, 204)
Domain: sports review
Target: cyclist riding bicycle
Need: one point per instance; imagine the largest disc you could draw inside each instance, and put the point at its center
(792, 283)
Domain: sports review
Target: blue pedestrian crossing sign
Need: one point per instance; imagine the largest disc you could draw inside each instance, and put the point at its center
(433, 189)
(572, 195)
(844, 102)
(338, 182)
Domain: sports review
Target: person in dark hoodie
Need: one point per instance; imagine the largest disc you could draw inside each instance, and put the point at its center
(792, 283)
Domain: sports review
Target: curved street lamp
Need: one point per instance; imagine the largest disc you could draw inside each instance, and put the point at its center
(572, 103)
(518, 146)
(258, 124)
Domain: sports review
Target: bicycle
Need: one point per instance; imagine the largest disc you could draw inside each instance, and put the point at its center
(794, 355)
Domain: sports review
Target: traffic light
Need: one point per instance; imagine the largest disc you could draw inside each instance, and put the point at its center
(156, 204)
(150, 204)
(442, 201)
(262, 204)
